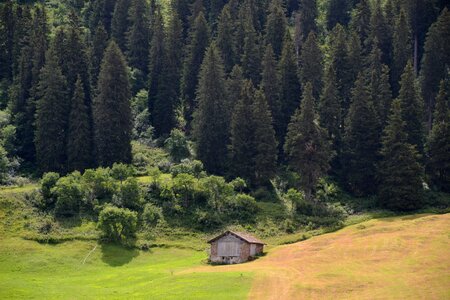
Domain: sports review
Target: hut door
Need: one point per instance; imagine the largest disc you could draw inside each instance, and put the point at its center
(252, 249)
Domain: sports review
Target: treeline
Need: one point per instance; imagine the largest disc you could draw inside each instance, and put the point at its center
(358, 90)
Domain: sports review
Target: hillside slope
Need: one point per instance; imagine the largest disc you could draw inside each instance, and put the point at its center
(392, 258)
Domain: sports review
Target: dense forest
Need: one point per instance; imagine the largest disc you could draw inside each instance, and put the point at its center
(350, 92)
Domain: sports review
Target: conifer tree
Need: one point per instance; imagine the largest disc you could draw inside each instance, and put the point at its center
(436, 58)
(52, 110)
(166, 101)
(338, 13)
(99, 44)
(289, 85)
(251, 59)
(412, 108)
(120, 23)
(234, 84)
(361, 142)
(311, 64)
(399, 170)
(380, 35)
(360, 21)
(308, 15)
(138, 36)
(307, 146)
(79, 138)
(271, 90)
(210, 124)
(22, 25)
(276, 27)
(438, 146)
(111, 110)
(7, 38)
(402, 50)
(225, 38)
(199, 40)
(100, 11)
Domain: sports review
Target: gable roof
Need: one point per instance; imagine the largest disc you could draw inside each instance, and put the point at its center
(243, 236)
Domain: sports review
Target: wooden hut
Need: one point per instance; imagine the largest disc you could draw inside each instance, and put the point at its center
(234, 247)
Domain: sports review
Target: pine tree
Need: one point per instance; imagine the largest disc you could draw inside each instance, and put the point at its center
(99, 44)
(251, 59)
(234, 84)
(270, 87)
(361, 142)
(276, 27)
(265, 160)
(52, 110)
(435, 60)
(380, 35)
(225, 38)
(338, 13)
(402, 50)
(199, 40)
(412, 108)
(111, 110)
(399, 170)
(360, 21)
(210, 124)
(290, 85)
(311, 64)
(7, 38)
(79, 138)
(138, 36)
(307, 146)
(308, 15)
(438, 146)
(100, 11)
(18, 36)
(166, 102)
(120, 23)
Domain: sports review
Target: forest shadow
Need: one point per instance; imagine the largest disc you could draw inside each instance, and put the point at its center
(117, 255)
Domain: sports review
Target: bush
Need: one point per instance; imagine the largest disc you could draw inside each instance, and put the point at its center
(117, 224)
(99, 184)
(177, 145)
(69, 193)
(131, 194)
(48, 182)
(152, 214)
(243, 207)
(187, 166)
(121, 172)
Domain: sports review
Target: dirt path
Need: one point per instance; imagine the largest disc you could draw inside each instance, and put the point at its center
(393, 258)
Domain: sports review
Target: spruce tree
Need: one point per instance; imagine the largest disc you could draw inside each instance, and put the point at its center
(210, 124)
(402, 50)
(270, 87)
(311, 64)
(199, 40)
(338, 13)
(225, 38)
(251, 59)
(289, 85)
(52, 110)
(307, 145)
(399, 170)
(138, 36)
(308, 15)
(99, 44)
(276, 27)
(438, 146)
(7, 38)
(234, 84)
(79, 138)
(412, 108)
(120, 23)
(436, 58)
(111, 110)
(380, 34)
(361, 142)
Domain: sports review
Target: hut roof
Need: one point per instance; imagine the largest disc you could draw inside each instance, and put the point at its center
(243, 236)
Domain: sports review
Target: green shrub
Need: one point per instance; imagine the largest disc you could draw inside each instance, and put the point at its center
(121, 172)
(242, 207)
(187, 166)
(177, 145)
(117, 224)
(152, 214)
(48, 182)
(131, 194)
(69, 193)
(99, 184)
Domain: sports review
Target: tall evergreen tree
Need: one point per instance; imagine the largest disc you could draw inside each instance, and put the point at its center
(120, 23)
(289, 85)
(412, 108)
(79, 138)
(270, 87)
(402, 50)
(52, 110)
(307, 145)
(361, 141)
(251, 59)
(199, 40)
(111, 110)
(338, 12)
(100, 11)
(360, 21)
(308, 15)
(99, 44)
(138, 36)
(7, 38)
(210, 124)
(276, 27)
(380, 34)
(399, 170)
(311, 68)
(234, 84)
(225, 38)
(438, 146)
(435, 60)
